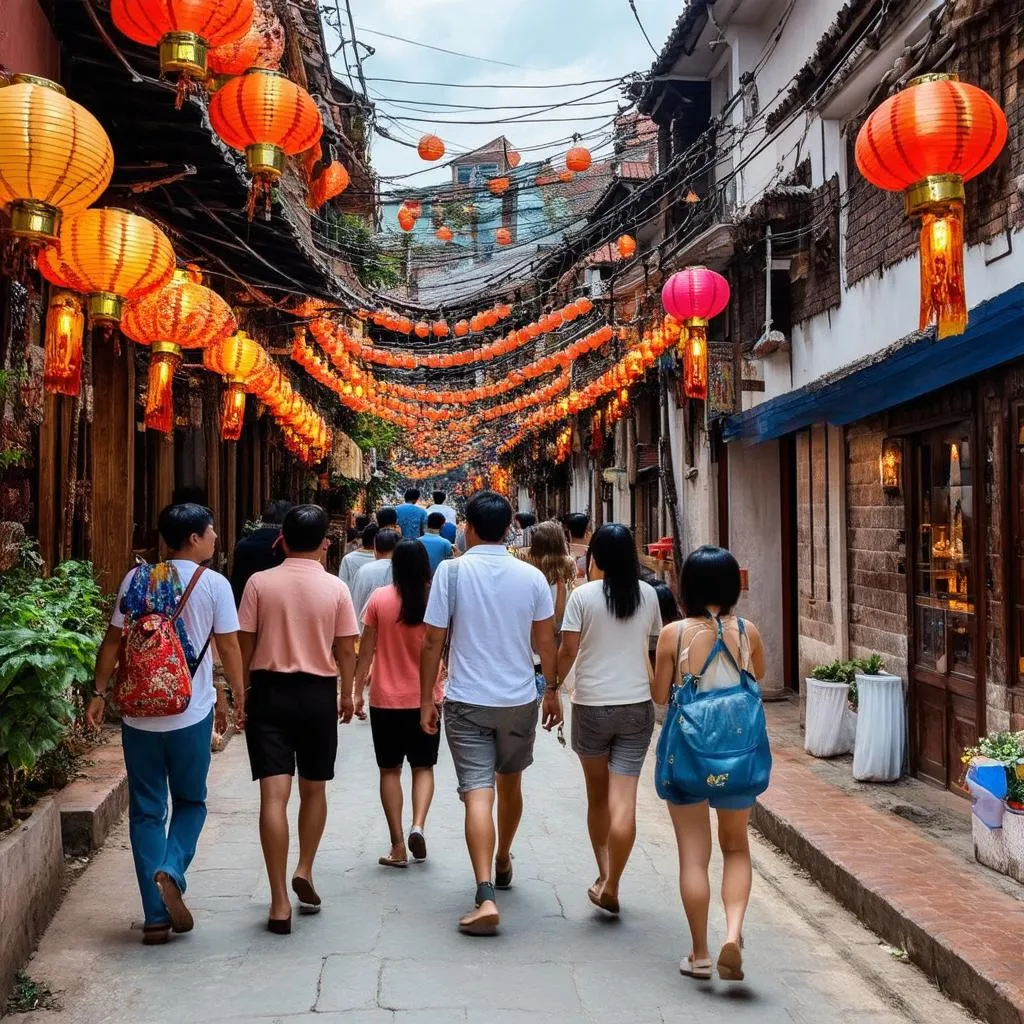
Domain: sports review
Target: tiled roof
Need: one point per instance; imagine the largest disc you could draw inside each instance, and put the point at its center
(635, 170)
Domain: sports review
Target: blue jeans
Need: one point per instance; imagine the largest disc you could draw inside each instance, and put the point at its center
(156, 762)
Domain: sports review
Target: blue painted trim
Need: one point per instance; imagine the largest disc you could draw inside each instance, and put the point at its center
(994, 335)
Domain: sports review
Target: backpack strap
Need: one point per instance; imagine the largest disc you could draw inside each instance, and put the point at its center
(181, 607)
(453, 600)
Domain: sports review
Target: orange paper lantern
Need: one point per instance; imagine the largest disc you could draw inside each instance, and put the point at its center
(578, 159)
(266, 32)
(626, 246)
(926, 141)
(498, 186)
(503, 237)
(183, 29)
(444, 234)
(440, 329)
(55, 158)
(422, 329)
(430, 148)
(406, 221)
(268, 117)
(109, 255)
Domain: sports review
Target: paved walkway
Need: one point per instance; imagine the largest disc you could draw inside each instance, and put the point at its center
(385, 949)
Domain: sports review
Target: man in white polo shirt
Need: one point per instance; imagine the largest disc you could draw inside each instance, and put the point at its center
(502, 612)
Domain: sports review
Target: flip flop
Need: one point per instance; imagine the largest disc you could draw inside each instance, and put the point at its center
(503, 879)
(181, 916)
(392, 862)
(486, 924)
(730, 962)
(604, 901)
(308, 896)
(417, 844)
(700, 969)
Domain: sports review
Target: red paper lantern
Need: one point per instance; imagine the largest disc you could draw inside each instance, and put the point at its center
(926, 141)
(578, 159)
(694, 296)
(430, 148)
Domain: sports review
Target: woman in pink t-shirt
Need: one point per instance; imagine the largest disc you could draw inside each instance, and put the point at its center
(393, 632)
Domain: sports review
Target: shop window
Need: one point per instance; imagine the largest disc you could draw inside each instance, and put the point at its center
(943, 594)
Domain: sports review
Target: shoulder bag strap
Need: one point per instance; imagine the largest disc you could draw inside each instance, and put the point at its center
(725, 647)
(453, 599)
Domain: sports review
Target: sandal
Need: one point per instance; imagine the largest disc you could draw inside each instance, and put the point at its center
(393, 862)
(700, 969)
(156, 934)
(730, 962)
(482, 924)
(503, 879)
(308, 896)
(181, 916)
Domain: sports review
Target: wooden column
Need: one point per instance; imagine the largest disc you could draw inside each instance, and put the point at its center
(229, 522)
(49, 482)
(112, 440)
(214, 482)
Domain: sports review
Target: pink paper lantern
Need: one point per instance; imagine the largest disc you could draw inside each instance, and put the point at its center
(695, 293)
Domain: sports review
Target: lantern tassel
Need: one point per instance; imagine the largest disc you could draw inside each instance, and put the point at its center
(233, 413)
(693, 341)
(943, 296)
(160, 392)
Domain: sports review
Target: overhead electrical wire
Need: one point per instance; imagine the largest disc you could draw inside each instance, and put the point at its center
(441, 49)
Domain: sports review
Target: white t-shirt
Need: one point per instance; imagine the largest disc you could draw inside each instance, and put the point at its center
(369, 578)
(210, 609)
(499, 599)
(352, 563)
(613, 661)
(446, 510)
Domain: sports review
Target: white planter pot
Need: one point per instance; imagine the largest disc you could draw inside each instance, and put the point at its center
(1013, 841)
(989, 845)
(830, 726)
(881, 729)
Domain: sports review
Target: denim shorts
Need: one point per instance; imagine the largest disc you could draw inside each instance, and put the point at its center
(620, 732)
(487, 741)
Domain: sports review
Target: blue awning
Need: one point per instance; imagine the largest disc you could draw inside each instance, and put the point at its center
(994, 335)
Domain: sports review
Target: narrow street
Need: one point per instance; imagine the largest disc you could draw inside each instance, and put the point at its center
(385, 946)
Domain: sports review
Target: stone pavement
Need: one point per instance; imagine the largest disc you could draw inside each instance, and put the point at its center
(385, 949)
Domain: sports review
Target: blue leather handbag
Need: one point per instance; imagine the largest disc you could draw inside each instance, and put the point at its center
(714, 745)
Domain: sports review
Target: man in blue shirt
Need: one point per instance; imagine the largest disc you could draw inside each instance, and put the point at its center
(412, 519)
(438, 549)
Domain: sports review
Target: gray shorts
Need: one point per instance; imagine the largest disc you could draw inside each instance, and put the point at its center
(488, 741)
(620, 732)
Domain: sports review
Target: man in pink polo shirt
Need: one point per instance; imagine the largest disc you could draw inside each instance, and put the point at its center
(297, 633)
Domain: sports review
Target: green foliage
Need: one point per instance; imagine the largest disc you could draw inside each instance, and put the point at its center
(456, 215)
(358, 244)
(372, 432)
(1007, 747)
(871, 666)
(835, 672)
(28, 995)
(50, 630)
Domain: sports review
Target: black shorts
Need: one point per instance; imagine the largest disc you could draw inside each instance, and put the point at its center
(397, 737)
(292, 721)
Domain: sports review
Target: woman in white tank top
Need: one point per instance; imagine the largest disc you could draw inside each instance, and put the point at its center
(713, 645)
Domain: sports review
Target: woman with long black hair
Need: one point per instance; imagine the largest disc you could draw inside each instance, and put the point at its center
(606, 633)
(393, 631)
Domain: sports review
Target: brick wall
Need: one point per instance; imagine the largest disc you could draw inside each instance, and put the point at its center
(875, 553)
(814, 585)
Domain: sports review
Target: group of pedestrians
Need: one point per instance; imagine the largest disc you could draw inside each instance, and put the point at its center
(480, 643)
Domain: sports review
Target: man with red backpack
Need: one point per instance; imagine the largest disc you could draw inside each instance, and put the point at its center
(159, 638)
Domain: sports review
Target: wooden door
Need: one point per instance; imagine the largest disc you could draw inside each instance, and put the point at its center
(944, 659)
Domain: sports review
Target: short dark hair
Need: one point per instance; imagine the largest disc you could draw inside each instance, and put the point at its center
(276, 511)
(387, 516)
(369, 532)
(439, 497)
(525, 519)
(412, 495)
(667, 603)
(490, 514)
(177, 523)
(577, 523)
(710, 579)
(436, 520)
(304, 528)
(362, 522)
(386, 541)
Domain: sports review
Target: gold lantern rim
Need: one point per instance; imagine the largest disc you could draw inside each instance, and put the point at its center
(933, 76)
(935, 190)
(183, 53)
(104, 307)
(39, 80)
(265, 159)
(34, 219)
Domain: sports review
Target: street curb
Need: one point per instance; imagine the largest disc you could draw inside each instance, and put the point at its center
(90, 806)
(965, 980)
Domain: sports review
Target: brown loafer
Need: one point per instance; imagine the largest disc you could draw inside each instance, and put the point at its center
(155, 934)
(181, 916)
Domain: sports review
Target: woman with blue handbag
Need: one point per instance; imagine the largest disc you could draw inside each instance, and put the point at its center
(713, 750)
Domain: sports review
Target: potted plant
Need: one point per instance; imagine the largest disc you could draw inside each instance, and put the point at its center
(831, 722)
(1001, 849)
(882, 718)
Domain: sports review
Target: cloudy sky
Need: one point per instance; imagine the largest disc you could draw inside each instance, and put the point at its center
(550, 42)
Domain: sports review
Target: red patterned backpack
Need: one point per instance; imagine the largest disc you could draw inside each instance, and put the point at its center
(154, 678)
